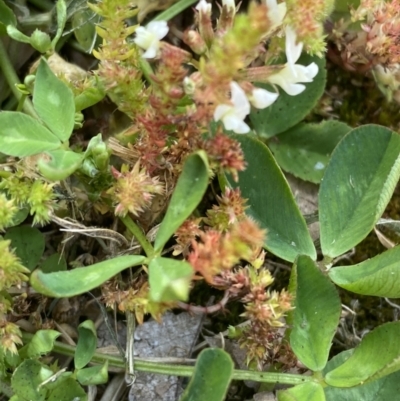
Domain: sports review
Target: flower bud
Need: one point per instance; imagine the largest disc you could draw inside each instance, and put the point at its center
(193, 39)
(40, 41)
(189, 86)
(204, 21)
(227, 16)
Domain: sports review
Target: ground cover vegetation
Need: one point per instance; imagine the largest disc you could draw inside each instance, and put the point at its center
(154, 172)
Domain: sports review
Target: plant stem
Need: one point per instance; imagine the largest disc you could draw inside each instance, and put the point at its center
(269, 377)
(12, 79)
(146, 69)
(138, 234)
(21, 102)
(174, 10)
(143, 365)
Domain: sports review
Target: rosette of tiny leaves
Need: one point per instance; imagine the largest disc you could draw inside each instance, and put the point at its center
(11, 270)
(7, 211)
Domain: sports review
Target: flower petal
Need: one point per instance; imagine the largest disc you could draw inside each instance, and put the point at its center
(239, 100)
(143, 37)
(152, 50)
(261, 98)
(148, 38)
(229, 4)
(158, 28)
(312, 70)
(221, 110)
(276, 12)
(203, 7)
(292, 49)
(235, 124)
(293, 89)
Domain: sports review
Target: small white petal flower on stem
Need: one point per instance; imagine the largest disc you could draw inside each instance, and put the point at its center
(293, 50)
(232, 115)
(276, 12)
(261, 98)
(229, 4)
(148, 38)
(203, 7)
(291, 74)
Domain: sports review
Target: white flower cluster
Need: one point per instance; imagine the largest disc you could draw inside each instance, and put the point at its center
(148, 38)
(290, 78)
(232, 115)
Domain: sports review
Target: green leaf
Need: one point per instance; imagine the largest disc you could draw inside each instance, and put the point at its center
(288, 110)
(87, 344)
(305, 149)
(271, 202)
(90, 96)
(316, 314)
(379, 276)
(22, 135)
(41, 343)
(17, 35)
(67, 390)
(188, 193)
(27, 378)
(93, 375)
(54, 102)
(309, 391)
(357, 186)
(386, 388)
(7, 17)
(61, 8)
(57, 379)
(78, 281)
(28, 243)
(211, 378)
(59, 164)
(54, 263)
(169, 279)
(83, 23)
(376, 356)
(40, 41)
(20, 216)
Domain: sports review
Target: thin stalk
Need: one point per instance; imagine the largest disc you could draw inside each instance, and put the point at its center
(143, 365)
(174, 10)
(138, 234)
(268, 377)
(21, 102)
(146, 69)
(12, 79)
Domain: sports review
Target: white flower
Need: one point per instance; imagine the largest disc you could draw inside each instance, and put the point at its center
(229, 4)
(276, 12)
(148, 38)
(232, 115)
(203, 7)
(289, 77)
(261, 98)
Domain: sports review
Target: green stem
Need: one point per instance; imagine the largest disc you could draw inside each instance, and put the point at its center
(12, 79)
(143, 365)
(138, 234)
(21, 102)
(146, 69)
(267, 377)
(174, 10)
